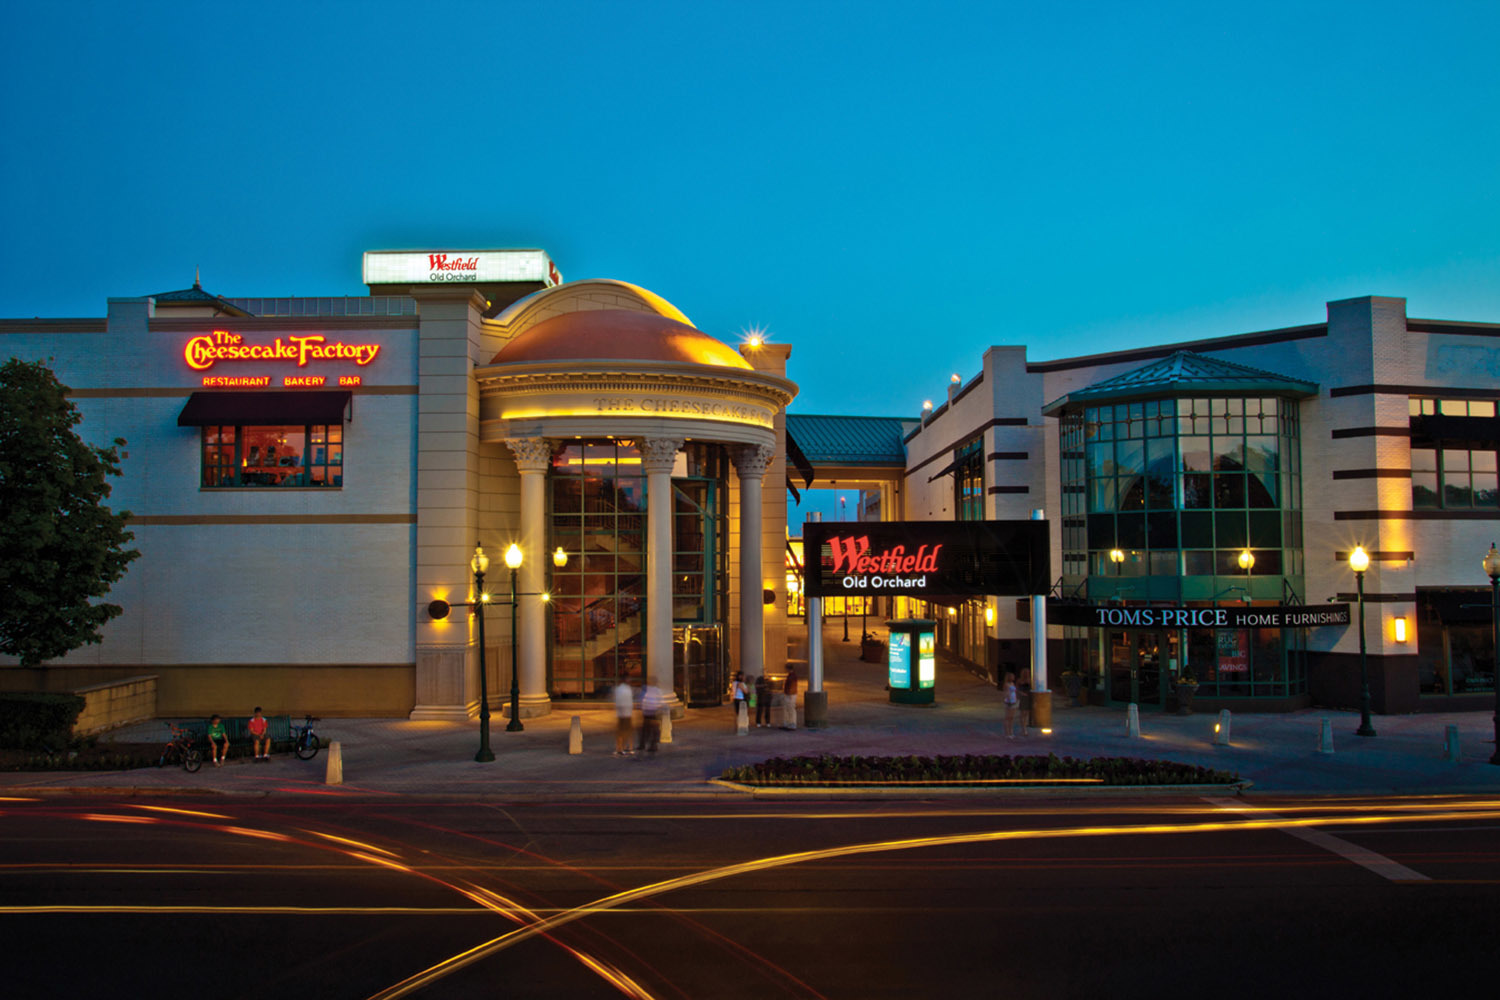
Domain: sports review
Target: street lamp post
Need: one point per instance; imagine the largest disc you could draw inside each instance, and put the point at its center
(479, 564)
(1359, 561)
(1492, 567)
(513, 562)
(1247, 563)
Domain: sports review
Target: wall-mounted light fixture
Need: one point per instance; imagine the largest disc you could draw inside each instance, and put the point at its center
(989, 615)
(1400, 624)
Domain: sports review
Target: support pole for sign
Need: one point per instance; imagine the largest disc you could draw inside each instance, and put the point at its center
(1041, 696)
(815, 706)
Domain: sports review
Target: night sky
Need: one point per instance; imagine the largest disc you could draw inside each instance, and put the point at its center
(889, 187)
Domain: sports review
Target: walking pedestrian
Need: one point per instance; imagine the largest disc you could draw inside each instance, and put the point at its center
(762, 702)
(651, 708)
(1012, 702)
(789, 699)
(624, 711)
(738, 696)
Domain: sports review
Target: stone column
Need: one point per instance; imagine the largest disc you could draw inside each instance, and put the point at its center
(533, 459)
(750, 462)
(658, 455)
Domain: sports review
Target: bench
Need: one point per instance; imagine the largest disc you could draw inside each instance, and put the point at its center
(278, 730)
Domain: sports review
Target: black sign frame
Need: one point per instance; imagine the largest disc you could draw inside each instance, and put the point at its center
(1146, 617)
(927, 559)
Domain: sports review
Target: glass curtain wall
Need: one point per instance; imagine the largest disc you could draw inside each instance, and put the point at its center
(1176, 489)
(597, 507)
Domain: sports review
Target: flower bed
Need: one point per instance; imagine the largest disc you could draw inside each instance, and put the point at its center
(973, 770)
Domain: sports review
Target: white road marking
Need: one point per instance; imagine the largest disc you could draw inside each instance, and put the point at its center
(1365, 858)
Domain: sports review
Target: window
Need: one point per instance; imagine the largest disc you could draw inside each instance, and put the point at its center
(293, 455)
(1453, 454)
(968, 481)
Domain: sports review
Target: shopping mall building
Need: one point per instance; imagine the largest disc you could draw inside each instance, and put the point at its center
(306, 475)
(1232, 474)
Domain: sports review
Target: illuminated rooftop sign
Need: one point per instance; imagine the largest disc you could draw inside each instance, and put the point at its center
(412, 267)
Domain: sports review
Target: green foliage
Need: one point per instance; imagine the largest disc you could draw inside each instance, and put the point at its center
(32, 720)
(971, 769)
(60, 546)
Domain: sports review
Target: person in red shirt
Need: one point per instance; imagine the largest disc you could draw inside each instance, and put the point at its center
(260, 740)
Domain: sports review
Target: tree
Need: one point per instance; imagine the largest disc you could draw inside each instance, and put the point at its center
(60, 546)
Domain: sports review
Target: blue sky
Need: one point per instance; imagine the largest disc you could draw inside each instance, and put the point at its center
(889, 187)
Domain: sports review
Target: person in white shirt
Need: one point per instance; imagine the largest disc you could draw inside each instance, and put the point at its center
(624, 714)
(651, 706)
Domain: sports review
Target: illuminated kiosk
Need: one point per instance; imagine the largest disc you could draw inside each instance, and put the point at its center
(912, 663)
(651, 453)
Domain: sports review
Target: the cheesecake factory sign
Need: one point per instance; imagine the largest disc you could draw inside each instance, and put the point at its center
(209, 349)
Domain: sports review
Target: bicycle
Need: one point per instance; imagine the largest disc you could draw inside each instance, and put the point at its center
(180, 750)
(305, 742)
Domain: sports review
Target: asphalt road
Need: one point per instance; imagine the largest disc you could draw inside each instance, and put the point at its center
(328, 898)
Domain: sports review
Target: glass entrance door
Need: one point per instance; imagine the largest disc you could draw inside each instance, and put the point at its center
(1148, 668)
(1135, 666)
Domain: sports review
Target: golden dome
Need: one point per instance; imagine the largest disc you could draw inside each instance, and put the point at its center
(617, 335)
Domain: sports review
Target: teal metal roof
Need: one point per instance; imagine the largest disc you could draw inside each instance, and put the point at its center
(1185, 374)
(826, 440)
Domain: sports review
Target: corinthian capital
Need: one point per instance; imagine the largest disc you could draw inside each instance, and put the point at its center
(752, 460)
(659, 454)
(532, 454)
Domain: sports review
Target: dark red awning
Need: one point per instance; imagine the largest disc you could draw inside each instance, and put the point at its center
(208, 409)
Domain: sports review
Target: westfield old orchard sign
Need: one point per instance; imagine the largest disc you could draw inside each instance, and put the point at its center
(927, 559)
(205, 351)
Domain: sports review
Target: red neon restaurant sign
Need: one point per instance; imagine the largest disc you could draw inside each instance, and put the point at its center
(204, 351)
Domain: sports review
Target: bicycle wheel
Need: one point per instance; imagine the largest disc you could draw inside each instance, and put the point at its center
(307, 747)
(191, 760)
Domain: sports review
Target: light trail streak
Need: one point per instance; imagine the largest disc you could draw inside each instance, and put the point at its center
(351, 843)
(182, 812)
(468, 957)
(759, 964)
(218, 910)
(112, 818)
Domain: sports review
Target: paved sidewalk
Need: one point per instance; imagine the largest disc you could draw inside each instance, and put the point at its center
(1278, 752)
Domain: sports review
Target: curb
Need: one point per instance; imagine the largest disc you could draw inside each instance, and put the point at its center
(1021, 791)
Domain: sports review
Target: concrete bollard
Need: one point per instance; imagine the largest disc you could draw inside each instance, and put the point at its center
(1325, 739)
(335, 773)
(1221, 729)
(666, 727)
(1451, 749)
(1133, 721)
(741, 719)
(575, 735)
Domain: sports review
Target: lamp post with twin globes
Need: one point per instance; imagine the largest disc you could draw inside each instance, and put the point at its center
(479, 564)
(439, 609)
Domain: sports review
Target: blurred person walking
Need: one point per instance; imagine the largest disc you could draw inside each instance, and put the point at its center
(762, 702)
(624, 712)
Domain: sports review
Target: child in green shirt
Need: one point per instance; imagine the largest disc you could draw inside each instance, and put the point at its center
(218, 740)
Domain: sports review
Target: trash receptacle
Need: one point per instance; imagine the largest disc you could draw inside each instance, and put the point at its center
(912, 660)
